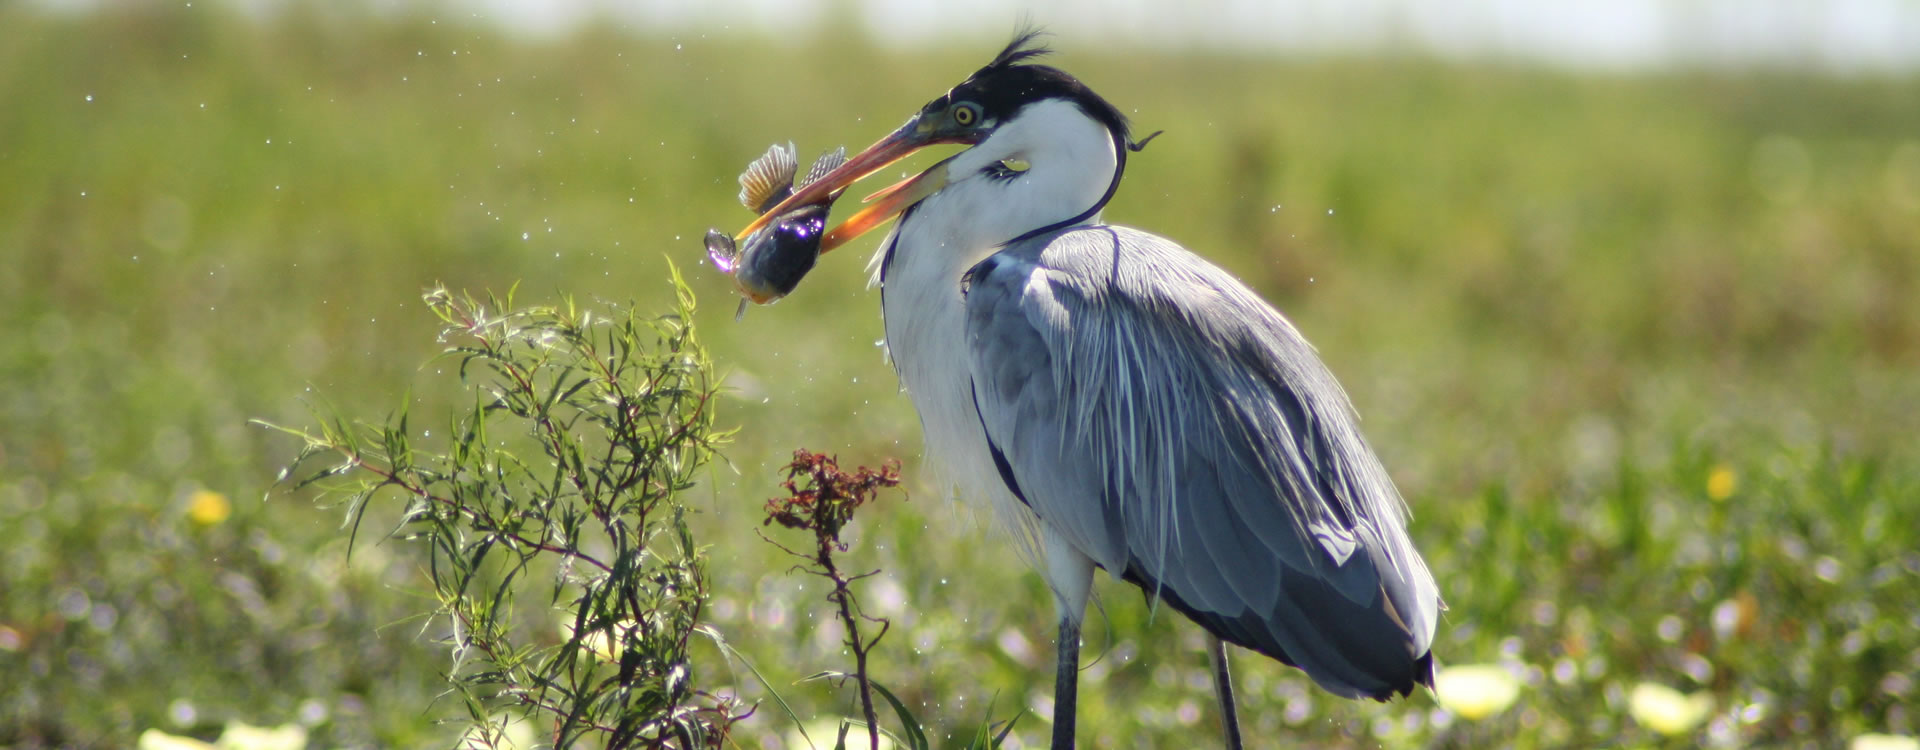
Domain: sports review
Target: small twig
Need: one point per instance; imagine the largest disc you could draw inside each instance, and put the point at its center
(821, 499)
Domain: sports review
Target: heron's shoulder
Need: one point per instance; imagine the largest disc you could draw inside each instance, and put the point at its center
(1121, 264)
(1098, 244)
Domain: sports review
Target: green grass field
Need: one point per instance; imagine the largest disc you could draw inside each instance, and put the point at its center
(1642, 352)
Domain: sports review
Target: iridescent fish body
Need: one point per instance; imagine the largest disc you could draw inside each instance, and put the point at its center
(779, 254)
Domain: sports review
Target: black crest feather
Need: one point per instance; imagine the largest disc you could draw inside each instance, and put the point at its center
(1011, 81)
(1026, 45)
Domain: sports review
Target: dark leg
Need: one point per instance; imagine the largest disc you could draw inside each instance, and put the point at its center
(1066, 685)
(1223, 687)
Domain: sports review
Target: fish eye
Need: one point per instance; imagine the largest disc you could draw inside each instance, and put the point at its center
(965, 114)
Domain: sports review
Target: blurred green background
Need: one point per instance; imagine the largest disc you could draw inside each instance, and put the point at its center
(1639, 348)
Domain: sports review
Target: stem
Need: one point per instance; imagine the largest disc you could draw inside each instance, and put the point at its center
(843, 596)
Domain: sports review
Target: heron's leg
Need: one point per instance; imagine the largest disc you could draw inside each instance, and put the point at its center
(1223, 687)
(1066, 684)
(1070, 574)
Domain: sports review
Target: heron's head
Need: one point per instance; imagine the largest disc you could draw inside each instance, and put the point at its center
(1015, 116)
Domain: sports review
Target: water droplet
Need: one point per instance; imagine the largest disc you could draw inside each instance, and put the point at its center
(1670, 628)
(89, 97)
(676, 48)
(181, 712)
(1329, 212)
(524, 236)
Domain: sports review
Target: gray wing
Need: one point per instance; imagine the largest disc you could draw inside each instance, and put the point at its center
(1181, 433)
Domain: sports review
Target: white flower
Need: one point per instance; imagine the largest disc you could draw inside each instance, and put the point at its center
(824, 732)
(515, 733)
(1883, 742)
(154, 739)
(1666, 710)
(597, 642)
(239, 736)
(1475, 691)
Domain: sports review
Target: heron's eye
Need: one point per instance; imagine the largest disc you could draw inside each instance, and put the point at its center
(965, 114)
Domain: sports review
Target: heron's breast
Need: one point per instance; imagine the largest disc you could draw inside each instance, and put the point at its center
(926, 336)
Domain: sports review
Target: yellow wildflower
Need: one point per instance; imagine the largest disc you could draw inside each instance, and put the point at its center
(1721, 482)
(207, 507)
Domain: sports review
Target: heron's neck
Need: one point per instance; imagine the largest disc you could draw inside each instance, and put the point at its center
(1071, 162)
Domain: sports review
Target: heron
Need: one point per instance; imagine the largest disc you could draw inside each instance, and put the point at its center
(1122, 403)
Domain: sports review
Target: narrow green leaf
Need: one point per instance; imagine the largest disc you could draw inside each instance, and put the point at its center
(916, 737)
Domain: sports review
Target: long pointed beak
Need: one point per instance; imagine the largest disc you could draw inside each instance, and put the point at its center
(884, 205)
(896, 146)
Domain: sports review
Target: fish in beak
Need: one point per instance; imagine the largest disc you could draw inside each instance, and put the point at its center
(768, 258)
(768, 263)
(919, 132)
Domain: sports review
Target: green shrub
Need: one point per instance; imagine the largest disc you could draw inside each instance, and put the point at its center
(618, 410)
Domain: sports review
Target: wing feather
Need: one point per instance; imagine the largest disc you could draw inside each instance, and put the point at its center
(1178, 431)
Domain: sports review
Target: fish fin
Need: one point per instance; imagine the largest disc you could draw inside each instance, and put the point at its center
(827, 162)
(769, 179)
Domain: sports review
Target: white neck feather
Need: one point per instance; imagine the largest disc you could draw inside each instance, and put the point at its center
(1071, 162)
